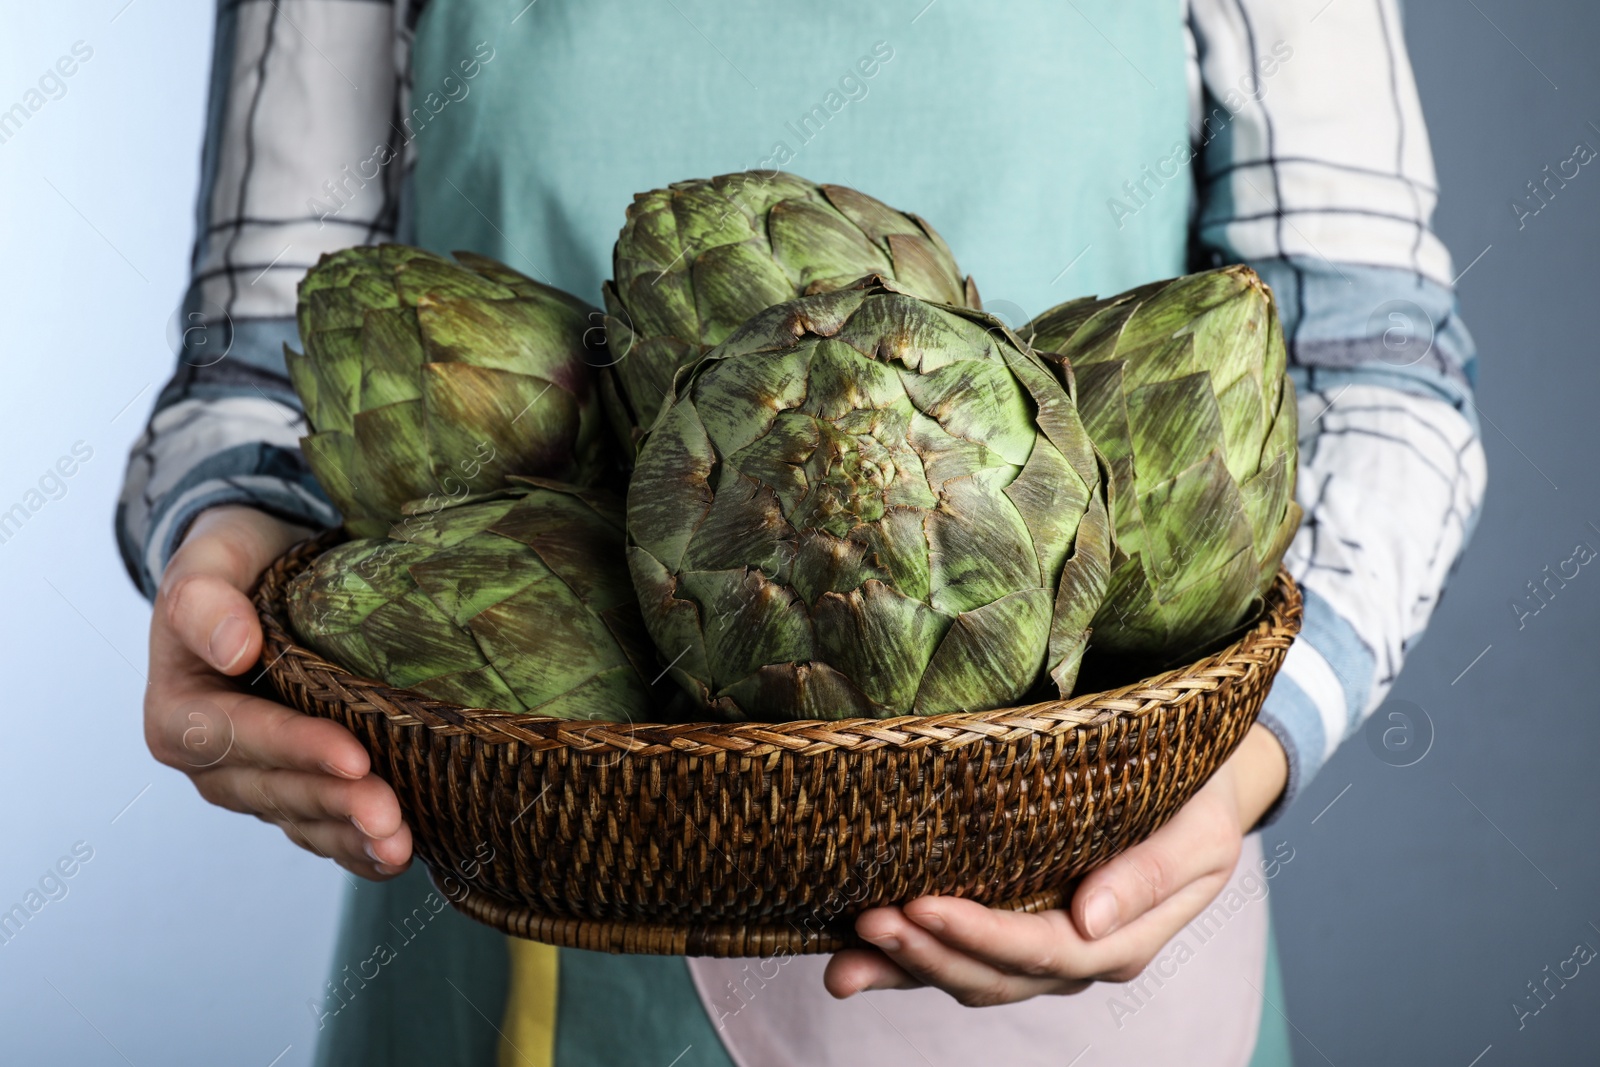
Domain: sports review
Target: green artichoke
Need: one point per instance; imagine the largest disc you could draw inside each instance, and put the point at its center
(864, 504)
(1182, 387)
(424, 378)
(518, 602)
(696, 259)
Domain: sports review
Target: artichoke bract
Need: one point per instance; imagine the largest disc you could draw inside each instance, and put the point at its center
(864, 504)
(1181, 385)
(422, 377)
(698, 258)
(520, 602)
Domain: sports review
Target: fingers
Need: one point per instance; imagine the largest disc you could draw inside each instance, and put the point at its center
(1042, 945)
(1120, 917)
(368, 806)
(307, 775)
(195, 726)
(1129, 951)
(357, 824)
(347, 847)
(927, 960)
(202, 597)
(233, 543)
(984, 956)
(270, 735)
(1201, 841)
(213, 619)
(855, 970)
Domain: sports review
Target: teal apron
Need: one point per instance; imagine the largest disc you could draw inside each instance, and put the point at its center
(1011, 127)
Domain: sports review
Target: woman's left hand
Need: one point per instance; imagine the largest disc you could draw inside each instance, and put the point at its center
(1120, 917)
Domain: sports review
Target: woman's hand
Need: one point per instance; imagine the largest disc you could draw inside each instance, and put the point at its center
(309, 777)
(1120, 916)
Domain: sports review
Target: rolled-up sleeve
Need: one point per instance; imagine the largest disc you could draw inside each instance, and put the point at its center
(305, 152)
(1313, 166)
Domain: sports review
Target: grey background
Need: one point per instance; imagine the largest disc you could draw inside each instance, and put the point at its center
(1408, 921)
(1416, 909)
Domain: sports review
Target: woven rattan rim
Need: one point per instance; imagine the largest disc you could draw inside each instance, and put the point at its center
(1254, 650)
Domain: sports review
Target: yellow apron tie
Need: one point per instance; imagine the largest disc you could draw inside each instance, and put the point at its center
(528, 1032)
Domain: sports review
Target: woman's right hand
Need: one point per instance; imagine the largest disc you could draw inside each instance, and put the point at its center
(309, 777)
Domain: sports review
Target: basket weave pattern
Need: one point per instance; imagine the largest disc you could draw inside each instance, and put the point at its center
(751, 839)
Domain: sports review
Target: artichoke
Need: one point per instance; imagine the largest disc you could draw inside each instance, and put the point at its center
(864, 504)
(1182, 387)
(518, 602)
(424, 378)
(698, 258)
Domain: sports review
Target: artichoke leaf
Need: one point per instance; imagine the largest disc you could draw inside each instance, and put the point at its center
(840, 380)
(977, 553)
(1083, 586)
(436, 277)
(1181, 303)
(989, 657)
(391, 357)
(447, 523)
(923, 270)
(823, 563)
(709, 215)
(413, 642)
(745, 527)
(335, 357)
(736, 411)
(731, 283)
(469, 578)
(1052, 332)
(898, 550)
(541, 642)
(820, 246)
(780, 459)
(349, 649)
(1176, 424)
(673, 622)
(749, 621)
(880, 639)
(520, 336)
(331, 455)
(679, 471)
(1049, 497)
(796, 691)
(393, 460)
(615, 694)
(484, 424)
(980, 401)
(481, 688)
(303, 376)
(1193, 553)
(873, 217)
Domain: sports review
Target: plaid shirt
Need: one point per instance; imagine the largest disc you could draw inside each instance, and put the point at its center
(1312, 165)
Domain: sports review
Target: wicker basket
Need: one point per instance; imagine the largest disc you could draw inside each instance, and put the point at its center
(751, 839)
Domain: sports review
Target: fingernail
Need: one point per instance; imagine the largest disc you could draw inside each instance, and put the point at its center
(1100, 913)
(227, 642)
(928, 920)
(888, 944)
(337, 773)
(357, 824)
(371, 849)
(385, 869)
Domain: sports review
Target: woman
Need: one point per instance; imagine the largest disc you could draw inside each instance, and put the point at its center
(1062, 150)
